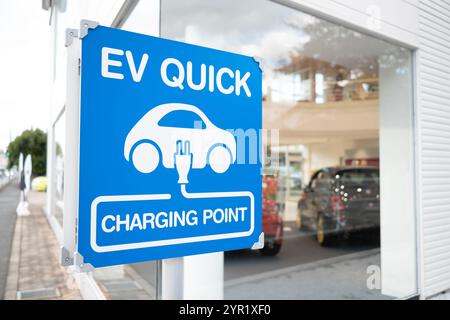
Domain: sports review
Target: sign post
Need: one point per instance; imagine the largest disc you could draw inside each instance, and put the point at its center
(24, 175)
(169, 153)
(27, 172)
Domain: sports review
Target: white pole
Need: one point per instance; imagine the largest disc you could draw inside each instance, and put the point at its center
(22, 207)
(28, 171)
(193, 277)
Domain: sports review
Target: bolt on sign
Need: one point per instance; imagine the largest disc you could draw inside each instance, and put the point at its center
(162, 172)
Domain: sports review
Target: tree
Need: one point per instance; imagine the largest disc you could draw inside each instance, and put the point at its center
(32, 142)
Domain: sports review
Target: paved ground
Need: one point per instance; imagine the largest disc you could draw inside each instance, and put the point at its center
(147, 272)
(123, 283)
(34, 269)
(299, 251)
(299, 247)
(338, 278)
(442, 296)
(302, 270)
(9, 195)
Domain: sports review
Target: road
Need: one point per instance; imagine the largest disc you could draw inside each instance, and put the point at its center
(9, 197)
(299, 248)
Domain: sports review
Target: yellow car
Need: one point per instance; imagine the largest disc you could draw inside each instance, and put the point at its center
(39, 184)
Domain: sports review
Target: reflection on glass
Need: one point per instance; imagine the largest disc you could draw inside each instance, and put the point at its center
(295, 174)
(58, 183)
(323, 86)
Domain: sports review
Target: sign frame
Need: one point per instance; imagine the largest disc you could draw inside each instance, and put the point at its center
(69, 250)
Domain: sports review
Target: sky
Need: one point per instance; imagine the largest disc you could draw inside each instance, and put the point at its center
(25, 68)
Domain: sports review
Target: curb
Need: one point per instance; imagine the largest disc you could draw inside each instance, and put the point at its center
(12, 280)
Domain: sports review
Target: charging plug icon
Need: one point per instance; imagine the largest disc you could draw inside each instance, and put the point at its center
(183, 160)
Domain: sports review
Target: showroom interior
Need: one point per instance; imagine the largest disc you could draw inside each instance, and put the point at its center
(324, 89)
(338, 106)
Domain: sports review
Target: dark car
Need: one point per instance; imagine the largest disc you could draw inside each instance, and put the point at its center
(340, 200)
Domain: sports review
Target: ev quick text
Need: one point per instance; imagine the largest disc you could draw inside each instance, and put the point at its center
(175, 74)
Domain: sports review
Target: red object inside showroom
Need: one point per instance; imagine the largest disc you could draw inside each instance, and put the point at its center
(271, 220)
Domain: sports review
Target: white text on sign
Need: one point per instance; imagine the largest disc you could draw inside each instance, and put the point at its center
(210, 79)
(170, 219)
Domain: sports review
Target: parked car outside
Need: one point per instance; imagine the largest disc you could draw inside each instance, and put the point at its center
(339, 200)
(39, 184)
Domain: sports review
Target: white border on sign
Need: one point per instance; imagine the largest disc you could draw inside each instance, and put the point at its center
(148, 244)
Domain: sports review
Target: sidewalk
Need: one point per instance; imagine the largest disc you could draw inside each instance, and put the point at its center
(34, 269)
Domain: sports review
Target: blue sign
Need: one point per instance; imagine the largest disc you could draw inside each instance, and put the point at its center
(169, 149)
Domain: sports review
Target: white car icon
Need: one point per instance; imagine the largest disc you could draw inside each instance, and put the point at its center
(153, 138)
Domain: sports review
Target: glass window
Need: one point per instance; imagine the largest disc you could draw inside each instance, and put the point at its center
(358, 177)
(182, 119)
(322, 180)
(59, 131)
(295, 176)
(315, 179)
(341, 101)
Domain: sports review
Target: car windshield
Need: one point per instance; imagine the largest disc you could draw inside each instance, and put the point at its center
(358, 177)
(182, 119)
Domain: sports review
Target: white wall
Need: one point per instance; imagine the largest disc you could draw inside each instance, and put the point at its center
(433, 150)
(397, 216)
(68, 14)
(331, 153)
(396, 20)
(399, 21)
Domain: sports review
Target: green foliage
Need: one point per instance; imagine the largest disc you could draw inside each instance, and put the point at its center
(32, 142)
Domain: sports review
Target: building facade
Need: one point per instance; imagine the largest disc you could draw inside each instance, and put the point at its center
(348, 86)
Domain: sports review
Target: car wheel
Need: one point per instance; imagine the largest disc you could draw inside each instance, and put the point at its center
(323, 236)
(145, 157)
(219, 159)
(270, 249)
(299, 220)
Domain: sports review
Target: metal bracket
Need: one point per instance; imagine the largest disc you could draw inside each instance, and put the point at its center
(80, 265)
(70, 35)
(260, 243)
(66, 258)
(85, 25)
